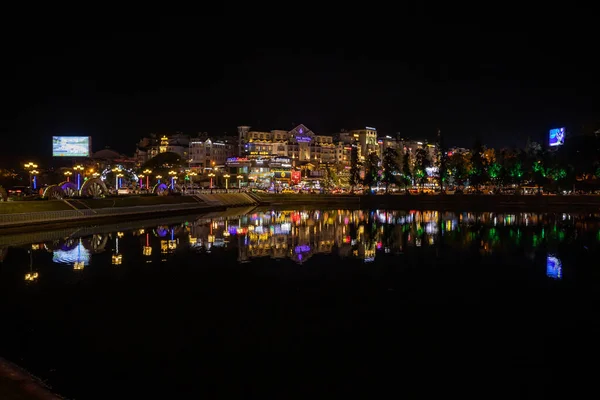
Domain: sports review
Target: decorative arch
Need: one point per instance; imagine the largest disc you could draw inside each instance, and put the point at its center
(129, 173)
(53, 192)
(69, 189)
(93, 188)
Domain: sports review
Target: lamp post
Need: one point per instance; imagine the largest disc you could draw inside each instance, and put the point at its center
(141, 176)
(29, 167)
(172, 174)
(226, 176)
(239, 178)
(211, 176)
(78, 168)
(158, 178)
(192, 174)
(147, 172)
(34, 173)
(118, 181)
(68, 175)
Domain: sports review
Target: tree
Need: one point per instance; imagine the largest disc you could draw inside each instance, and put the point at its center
(458, 168)
(443, 161)
(354, 167)
(422, 162)
(371, 170)
(390, 166)
(331, 178)
(477, 176)
(406, 173)
(494, 171)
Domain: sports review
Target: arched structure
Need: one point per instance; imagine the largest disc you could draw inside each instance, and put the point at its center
(128, 174)
(3, 194)
(53, 192)
(69, 189)
(93, 188)
(161, 189)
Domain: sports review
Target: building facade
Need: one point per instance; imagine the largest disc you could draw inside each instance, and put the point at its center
(207, 153)
(300, 144)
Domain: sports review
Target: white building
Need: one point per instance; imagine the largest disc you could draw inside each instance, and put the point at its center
(208, 153)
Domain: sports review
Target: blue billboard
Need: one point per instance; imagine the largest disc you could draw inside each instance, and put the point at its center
(557, 137)
(71, 146)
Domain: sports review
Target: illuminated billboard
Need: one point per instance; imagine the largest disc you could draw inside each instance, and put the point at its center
(71, 146)
(557, 137)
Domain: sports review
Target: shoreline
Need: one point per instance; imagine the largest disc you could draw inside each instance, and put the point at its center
(85, 211)
(518, 203)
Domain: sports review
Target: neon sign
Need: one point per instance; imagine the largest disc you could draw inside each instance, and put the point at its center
(303, 139)
(236, 159)
(370, 128)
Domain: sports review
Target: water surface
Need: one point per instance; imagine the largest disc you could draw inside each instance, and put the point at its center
(284, 301)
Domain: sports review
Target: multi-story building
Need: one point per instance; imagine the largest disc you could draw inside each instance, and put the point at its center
(366, 139)
(300, 144)
(150, 147)
(207, 153)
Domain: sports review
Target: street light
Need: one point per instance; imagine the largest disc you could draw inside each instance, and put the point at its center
(29, 167)
(158, 178)
(68, 175)
(192, 174)
(34, 173)
(172, 174)
(211, 176)
(118, 180)
(239, 178)
(141, 176)
(78, 168)
(226, 176)
(147, 172)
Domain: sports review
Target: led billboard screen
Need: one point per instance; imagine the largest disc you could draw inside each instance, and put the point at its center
(71, 146)
(557, 137)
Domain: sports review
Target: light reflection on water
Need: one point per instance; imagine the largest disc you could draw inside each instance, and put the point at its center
(121, 302)
(299, 235)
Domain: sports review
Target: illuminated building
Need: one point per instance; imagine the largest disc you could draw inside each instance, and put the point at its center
(209, 153)
(300, 144)
(148, 148)
(366, 139)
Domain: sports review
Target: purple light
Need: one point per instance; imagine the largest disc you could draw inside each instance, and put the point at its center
(302, 249)
(303, 139)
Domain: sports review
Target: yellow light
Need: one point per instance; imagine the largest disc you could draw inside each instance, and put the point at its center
(30, 277)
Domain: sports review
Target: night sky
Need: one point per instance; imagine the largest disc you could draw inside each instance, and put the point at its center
(120, 81)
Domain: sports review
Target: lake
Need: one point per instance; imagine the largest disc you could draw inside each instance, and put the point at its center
(301, 301)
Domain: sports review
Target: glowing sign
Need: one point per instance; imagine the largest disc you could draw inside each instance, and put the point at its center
(370, 128)
(303, 139)
(296, 176)
(71, 146)
(282, 174)
(557, 137)
(236, 161)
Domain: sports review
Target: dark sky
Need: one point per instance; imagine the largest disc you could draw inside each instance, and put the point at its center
(120, 80)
